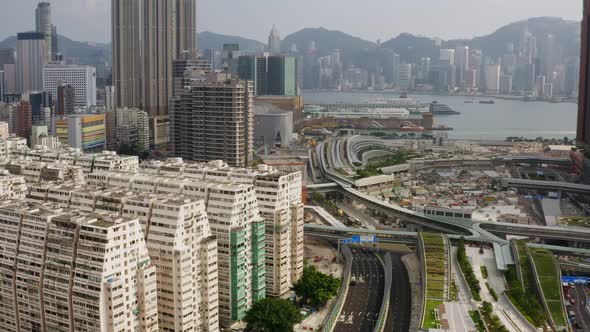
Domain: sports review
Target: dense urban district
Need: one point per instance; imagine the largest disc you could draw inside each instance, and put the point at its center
(160, 184)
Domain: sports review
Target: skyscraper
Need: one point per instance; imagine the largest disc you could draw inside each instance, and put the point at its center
(272, 75)
(462, 63)
(109, 102)
(6, 56)
(44, 26)
(147, 36)
(274, 41)
(54, 43)
(213, 119)
(32, 56)
(126, 40)
(405, 76)
(2, 86)
(447, 56)
(492, 78)
(583, 132)
(7, 64)
(186, 23)
(158, 51)
(82, 78)
(65, 100)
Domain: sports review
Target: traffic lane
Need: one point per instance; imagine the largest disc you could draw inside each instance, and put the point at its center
(579, 294)
(363, 302)
(400, 304)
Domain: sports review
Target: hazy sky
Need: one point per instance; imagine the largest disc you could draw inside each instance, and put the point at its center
(89, 20)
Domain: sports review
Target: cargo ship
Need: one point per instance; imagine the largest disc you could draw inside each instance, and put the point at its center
(487, 102)
(442, 109)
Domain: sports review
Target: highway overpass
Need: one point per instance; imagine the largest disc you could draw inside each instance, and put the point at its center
(544, 185)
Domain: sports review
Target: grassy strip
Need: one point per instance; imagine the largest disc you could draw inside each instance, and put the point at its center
(434, 249)
(525, 299)
(550, 283)
(430, 320)
(492, 321)
(492, 292)
(479, 325)
(468, 271)
(484, 271)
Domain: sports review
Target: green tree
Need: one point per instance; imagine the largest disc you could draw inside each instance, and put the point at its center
(272, 315)
(316, 288)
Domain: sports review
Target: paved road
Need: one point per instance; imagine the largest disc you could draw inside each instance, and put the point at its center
(363, 302)
(458, 312)
(579, 294)
(400, 304)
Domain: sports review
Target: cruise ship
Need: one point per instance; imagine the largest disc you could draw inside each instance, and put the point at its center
(442, 109)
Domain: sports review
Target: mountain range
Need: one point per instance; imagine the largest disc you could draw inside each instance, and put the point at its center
(353, 49)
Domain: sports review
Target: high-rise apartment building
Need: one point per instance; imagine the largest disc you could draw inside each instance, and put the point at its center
(186, 26)
(505, 84)
(274, 41)
(22, 121)
(82, 78)
(583, 130)
(234, 220)
(280, 203)
(447, 55)
(281, 207)
(187, 268)
(187, 62)
(213, 119)
(54, 43)
(2, 85)
(132, 128)
(462, 63)
(147, 36)
(219, 238)
(179, 241)
(126, 32)
(43, 25)
(74, 271)
(158, 51)
(272, 75)
(109, 98)
(6, 56)
(8, 67)
(65, 102)
(39, 102)
(405, 76)
(492, 77)
(32, 56)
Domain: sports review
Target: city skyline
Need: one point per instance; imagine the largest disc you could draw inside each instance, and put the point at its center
(387, 20)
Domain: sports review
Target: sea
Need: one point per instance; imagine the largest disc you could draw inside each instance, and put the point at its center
(504, 118)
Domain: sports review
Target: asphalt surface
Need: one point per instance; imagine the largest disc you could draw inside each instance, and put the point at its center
(363, 301)
(579, 294)
(400, 304)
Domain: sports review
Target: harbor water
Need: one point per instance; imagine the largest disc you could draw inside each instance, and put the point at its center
(478, 121)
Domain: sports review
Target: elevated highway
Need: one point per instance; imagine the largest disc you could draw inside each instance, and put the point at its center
(532, 160)
(544, 185)
(473, 231)
(571, 234)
